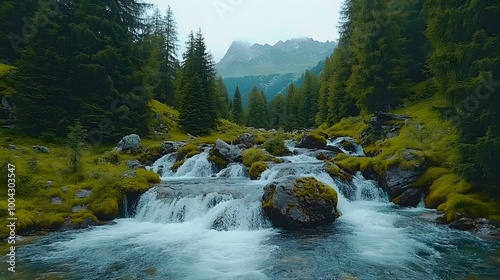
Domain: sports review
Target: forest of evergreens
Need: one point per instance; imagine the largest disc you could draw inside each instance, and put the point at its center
(99, 64)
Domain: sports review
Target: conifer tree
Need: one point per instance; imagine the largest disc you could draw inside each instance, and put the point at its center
(222, 99)
(257, 109)
(237, 107)
(198, 112)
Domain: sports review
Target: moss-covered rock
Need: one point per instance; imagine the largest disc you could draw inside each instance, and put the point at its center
(253, 155)
(223, 153)
(219, 162)
(313, 141)
(336, 172)
(295, 203)
(256, 169)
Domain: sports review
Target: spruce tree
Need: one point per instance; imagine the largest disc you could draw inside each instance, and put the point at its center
(198, 112)
(222, 99)
(257, 109)
(237, 107)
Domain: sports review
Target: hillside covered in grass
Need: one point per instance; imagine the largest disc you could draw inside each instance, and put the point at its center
(433, 140)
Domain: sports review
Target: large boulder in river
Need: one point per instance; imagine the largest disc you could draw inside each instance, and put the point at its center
(312, 141)
(398, 178)
(294, 203)
(226, 152)
(129, 144)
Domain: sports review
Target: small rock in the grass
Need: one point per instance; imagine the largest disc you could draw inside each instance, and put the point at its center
(83, 193)
(64, 189)
(41, 149)
(77, 208)
(133, 164)
(11, 147)
(55, 200)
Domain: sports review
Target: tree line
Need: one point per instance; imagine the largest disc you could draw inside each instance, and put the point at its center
(391, 53)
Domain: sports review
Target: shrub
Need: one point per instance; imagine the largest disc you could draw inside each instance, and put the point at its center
(253, 155)
(276, 145)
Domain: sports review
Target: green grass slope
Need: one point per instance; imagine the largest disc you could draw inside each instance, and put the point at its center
(436, 140)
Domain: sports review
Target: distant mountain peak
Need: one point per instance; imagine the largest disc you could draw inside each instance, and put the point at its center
(290, 56)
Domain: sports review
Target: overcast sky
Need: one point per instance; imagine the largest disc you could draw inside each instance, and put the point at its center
(254, 21)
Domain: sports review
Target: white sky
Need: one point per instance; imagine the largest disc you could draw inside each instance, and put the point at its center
(254, 21)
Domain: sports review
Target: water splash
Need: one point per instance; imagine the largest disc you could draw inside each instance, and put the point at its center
(337, 142)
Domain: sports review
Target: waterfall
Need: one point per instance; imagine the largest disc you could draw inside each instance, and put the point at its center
(163, 166)
(234, 170)
(213, 210)
(357, 149)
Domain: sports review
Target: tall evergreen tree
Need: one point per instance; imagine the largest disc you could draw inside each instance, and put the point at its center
(257, 109)
(222, 99)
(198, 112)
(237, 107)
(277, 111)
(160, 46)
(309, 93)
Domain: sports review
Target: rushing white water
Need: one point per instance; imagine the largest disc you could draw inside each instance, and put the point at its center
(337, 142)
(234, 170)
(203, 225)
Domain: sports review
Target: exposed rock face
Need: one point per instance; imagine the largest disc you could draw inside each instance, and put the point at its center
(169, 147)
(397, 180)
(226, 152)
(129, 144)
(295, 203)
(380, 127)
(245, 140)
(313, 141)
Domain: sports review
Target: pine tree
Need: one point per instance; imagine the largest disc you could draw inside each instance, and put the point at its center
(198, 112)
(237, 107)
(171, 62)
(222, 99)
(160, 46)
(257, 109)
(277, 112)
(309, 93)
